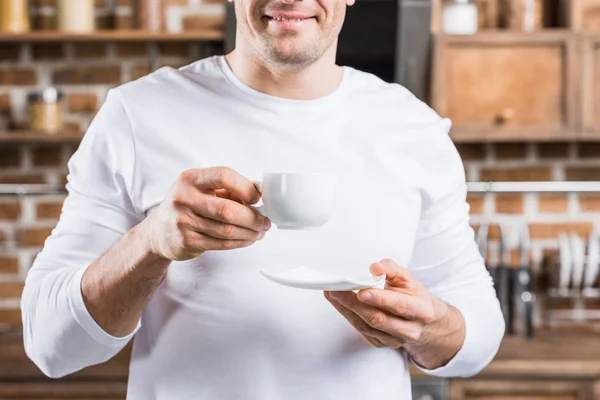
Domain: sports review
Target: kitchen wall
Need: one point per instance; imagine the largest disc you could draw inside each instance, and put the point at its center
(84, 72)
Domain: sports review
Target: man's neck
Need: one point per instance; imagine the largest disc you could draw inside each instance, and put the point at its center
(315, 81)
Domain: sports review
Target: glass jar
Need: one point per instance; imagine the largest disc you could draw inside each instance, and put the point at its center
(14, 16)
(45, 111)
(459, 17)
(76, 16)
(524, 15)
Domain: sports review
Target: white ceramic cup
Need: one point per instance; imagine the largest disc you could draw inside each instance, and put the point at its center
(294, 201)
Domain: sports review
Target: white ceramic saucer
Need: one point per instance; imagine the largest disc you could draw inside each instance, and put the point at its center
(306, 278)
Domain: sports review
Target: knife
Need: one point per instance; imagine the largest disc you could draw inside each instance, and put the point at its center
(505, 288)
(523, 282)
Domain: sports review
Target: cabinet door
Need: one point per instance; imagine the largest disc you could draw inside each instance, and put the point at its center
(506, 85)
(520, 390)
(591, 85)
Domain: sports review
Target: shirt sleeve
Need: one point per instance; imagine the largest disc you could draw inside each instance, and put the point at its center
(447, 260)
(60, 335)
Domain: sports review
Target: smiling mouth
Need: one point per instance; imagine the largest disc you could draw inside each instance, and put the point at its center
(287, 19)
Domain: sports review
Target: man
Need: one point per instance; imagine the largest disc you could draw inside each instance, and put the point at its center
(157, 238)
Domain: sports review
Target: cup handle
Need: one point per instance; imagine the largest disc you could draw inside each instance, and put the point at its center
(259, 209)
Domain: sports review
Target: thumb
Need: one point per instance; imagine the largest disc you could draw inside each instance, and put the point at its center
(395, 275)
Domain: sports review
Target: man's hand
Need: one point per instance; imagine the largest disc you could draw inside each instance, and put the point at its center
(205, 210)
(403, 315)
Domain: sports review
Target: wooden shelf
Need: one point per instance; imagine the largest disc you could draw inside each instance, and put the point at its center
(505, 36)
(112, 35)
(497, 134)
(33, 137)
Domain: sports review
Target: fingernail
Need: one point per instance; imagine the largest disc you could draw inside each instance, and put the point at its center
(365, 296)
(267, 224)
(333, 295)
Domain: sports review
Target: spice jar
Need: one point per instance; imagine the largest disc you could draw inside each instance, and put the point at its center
(525, 15)
(459, 17)
(151, 15)
(76, 16)
(14, 16)
(45, 111)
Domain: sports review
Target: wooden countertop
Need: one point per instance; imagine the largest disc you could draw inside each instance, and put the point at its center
(564, 354)
(550, 354)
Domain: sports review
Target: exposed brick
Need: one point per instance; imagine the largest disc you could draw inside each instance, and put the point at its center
(132, 49)
(89, 50)
(10, 316)
(583, 174)
(509, 204)
(589, 150)
(89, 75)
(589, 202)
(9, 156)
(553, 150)
(9, 51)
(47, 156)
(476, 203)
(471, 151)
(9, 264)
(34, 237)
(176, 49)
(11, 290)
(5, 104)
(138, 71)
(553, 203)
(47, 51)
(22, 178)
(18, 77)
(9, 210)
(524, 174)
(552, 230)
(509, 151)
(82, 102)
(48, 210)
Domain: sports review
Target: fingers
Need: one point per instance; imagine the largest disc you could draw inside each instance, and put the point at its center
(226, 211)
(373, 336)
(224, 194)
(395, 275)
(221, 230)
(395, 303)
(215, 178)
(202, 241)
(378, 319)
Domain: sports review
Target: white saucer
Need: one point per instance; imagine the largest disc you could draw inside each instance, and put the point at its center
(306, 278)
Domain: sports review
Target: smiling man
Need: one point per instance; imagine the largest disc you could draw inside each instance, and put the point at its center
(157, 239)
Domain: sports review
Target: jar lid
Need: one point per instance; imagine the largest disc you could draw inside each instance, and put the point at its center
(48, 95)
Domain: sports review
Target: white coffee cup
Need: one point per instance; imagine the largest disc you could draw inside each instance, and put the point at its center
(297, 201)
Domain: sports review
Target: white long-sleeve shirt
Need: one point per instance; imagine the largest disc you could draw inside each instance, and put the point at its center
(216, 328)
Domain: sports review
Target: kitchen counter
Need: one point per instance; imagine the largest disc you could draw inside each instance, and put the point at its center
(550, 354)
(561, 354)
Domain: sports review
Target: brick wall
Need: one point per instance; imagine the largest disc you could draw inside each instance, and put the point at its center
(84, 72)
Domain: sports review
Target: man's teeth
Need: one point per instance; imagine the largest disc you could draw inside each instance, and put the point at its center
(287, 19)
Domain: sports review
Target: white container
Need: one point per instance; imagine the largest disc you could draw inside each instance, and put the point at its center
(76, 16)
(459, 17)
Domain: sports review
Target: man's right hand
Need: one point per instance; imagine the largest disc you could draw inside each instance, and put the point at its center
(205, 210)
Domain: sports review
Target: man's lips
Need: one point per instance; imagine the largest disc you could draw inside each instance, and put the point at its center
(288, 17)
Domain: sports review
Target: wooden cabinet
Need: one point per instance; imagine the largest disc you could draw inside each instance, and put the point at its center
(507, 86)
(57, 390)
(590, 86)
(520, 390)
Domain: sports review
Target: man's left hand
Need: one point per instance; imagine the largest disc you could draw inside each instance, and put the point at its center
(403, 315)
